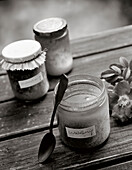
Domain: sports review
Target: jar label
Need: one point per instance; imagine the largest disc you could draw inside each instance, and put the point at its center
(31, 81)
(81, 133)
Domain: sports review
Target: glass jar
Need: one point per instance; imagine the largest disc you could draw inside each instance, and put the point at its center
(25, 64)
(52, 33)
(83, 114)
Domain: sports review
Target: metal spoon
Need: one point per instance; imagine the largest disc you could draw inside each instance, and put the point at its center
(48, 142)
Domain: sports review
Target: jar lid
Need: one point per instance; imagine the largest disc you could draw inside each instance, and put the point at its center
(50, 27)
(21, 51)
(23, 55)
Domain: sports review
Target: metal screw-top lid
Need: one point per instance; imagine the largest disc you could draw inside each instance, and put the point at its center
(50, 27)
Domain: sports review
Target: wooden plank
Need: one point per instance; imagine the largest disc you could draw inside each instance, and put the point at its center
(87, 65)
(1, 70)
(6, 92)
(5, 89)
(102, 41)
(99, 42)
(121, 166)
(14, 115)
(14, 152)
(17, 117)
(21, 153)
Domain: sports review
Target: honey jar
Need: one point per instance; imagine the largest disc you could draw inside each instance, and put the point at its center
(24, 62)
(52, 33)
(83, 114)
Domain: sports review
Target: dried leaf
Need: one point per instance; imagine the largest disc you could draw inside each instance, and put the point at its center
(114, 79)
(123, 61)
(124, 101)
(113, 98)
(127, 73)
(116, 67)
(110, 88)
(130, 65)
(122, 110)
(130, 82)
(107, 74)
(118, 114)
(124, 72)
(111, 79)
(122, 88)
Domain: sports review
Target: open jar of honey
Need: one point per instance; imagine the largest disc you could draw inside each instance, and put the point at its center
(52, 33)
(24, 62)
(83, 114)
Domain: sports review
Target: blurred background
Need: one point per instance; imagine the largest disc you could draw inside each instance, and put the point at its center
(84, 17)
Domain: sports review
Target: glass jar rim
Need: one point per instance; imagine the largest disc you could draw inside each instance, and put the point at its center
(50, 26)
(87, 79)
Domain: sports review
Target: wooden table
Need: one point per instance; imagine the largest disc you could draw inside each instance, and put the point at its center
(22, 125)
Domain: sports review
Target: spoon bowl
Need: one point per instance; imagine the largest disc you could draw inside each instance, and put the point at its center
(46, 148)
(48, 141)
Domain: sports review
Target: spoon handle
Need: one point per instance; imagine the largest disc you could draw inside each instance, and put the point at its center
(58, 97)
(52, 118)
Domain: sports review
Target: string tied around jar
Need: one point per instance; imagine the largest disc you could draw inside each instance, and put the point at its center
(31, 64)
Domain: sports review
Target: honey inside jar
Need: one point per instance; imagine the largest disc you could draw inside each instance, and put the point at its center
(24, 62)
(83, 115)
(52, 33)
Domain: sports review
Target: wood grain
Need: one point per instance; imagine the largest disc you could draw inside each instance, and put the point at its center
(21, 153)
(103, 41)
(93, 64)
(21, 124)
(17, 117)
(121, 166)
(5, 89)
(99, 42)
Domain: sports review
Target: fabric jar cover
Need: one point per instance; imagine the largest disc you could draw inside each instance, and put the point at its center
(23, 55)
